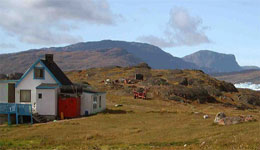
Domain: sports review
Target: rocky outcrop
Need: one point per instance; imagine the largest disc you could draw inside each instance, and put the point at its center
(222, 119)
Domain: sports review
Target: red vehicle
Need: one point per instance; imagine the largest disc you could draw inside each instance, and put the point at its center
(140, 94)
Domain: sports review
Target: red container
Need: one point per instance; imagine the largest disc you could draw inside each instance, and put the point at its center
(70, 107)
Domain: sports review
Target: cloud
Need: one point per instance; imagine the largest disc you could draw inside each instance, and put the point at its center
(7, 46)
(48, 22)
(182, 30)
(156, 41)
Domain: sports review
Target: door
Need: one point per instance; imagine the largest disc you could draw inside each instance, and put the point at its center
(11, 93)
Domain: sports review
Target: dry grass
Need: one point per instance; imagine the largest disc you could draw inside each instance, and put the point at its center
(139, 124)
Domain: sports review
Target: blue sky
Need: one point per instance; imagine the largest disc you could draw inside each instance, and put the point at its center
(179, 27)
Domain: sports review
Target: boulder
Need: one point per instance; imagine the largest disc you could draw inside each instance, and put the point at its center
(143, 65)
(221, 119)
(230, 120)
(219, 116)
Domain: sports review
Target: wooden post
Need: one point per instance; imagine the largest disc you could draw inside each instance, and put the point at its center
(9, 119)
(61, 116)
(16, 113)
(31, 119)
(31, 115)
(21, 119)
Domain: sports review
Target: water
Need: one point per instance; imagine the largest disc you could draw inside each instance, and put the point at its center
(248, 85)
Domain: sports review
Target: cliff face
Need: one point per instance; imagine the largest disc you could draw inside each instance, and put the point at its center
(216, 62)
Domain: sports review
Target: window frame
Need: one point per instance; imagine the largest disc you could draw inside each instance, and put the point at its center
(30, 96)
(43, 71)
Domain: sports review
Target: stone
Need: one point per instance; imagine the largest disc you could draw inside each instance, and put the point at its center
(219, 116)
(206, 116)
(221, 119)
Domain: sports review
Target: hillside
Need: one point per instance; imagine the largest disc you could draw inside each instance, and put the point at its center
(215, 62)
(94, 54)
(171, 118)
(240, 77)
(187, 86)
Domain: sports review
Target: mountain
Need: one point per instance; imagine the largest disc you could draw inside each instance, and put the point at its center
(69, 60)
(152, 55)
(108, 53)
(96, 54)
(213, 61)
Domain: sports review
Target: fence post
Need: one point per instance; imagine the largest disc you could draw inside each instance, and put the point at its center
(16, 113)
(31, 114)
(9, 119)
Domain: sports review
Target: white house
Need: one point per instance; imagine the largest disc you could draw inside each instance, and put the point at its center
(41, 85)
(7, 91)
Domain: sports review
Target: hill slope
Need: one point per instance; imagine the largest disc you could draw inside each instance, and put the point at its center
(68, 60)
(178, 85)
(215, 62)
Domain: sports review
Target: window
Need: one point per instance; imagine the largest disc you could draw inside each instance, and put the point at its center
(40, 96)
(94, 102)
(25, 96)
(99, 101)
(38, 73)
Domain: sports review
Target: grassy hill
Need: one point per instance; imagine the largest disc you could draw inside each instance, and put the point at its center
(189, 86)
(162, 122)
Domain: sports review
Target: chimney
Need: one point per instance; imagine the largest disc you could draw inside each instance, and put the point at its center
(49, 57)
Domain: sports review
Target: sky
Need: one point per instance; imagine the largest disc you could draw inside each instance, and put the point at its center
(179, 27)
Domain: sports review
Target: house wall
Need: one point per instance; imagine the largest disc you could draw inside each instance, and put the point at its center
(87, 103)
(29, 83)
(47, 105)
(3, 92)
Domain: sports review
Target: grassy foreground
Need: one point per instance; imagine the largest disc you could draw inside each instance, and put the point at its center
(138, 124)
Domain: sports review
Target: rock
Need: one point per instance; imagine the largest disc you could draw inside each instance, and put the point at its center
(219, 116)
(143, 65)
(230, 120)
(118, 105)
(249, 118)
(206, 116)
(221, 119)
(203, 143)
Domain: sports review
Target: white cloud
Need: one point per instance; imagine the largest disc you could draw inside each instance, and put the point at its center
(161, 42)
(182, 29)
(48, 22)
